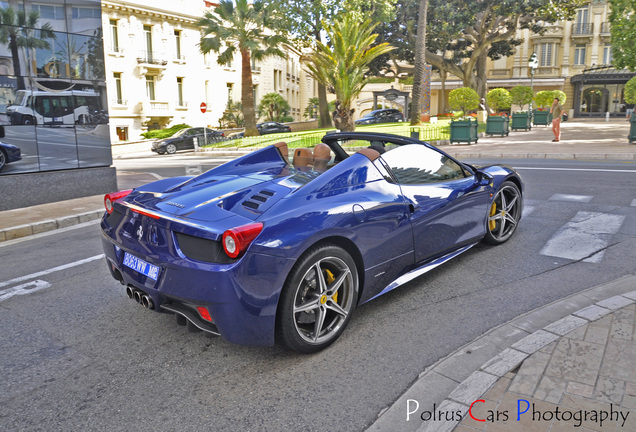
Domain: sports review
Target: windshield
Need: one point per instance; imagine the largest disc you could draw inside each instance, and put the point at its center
(181, 132)
(19, 100)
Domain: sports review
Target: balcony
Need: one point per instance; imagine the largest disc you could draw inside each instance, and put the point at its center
(582, 30)
(150, 108)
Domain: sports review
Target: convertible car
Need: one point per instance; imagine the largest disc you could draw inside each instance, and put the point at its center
(9, 153)
(264, 249)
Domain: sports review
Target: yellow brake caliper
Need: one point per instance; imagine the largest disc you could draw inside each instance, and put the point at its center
(492, 224)
(329, 279)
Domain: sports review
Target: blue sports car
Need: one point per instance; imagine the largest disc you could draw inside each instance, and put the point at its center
(264, 249)
(8, 153)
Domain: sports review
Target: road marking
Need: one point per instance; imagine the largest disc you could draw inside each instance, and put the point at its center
(576, 169)
(527, 210)
(585, 237)
(51, 270)
(26, 288)
(573, 198)
(633, 203)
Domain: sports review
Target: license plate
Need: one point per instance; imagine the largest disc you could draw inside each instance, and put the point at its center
(143, 267)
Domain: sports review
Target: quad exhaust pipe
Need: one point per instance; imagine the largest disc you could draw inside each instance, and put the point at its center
(140, 297)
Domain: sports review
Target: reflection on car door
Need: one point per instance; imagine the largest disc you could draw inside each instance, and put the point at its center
(448, 208)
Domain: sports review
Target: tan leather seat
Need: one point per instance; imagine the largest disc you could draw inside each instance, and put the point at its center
(302, 158)
(322, 156)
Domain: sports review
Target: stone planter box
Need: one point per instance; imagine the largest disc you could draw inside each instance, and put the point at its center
(497, 125)
(463, 131)
(521, 120)
(542, 118)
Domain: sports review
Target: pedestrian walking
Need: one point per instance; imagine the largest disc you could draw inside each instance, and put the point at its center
(556, 110)
(629, 109)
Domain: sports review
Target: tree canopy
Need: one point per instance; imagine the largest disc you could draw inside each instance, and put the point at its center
(623, 21)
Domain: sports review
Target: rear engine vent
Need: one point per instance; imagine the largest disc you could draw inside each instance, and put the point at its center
(201, 249)
(256, 200)
(114, 218)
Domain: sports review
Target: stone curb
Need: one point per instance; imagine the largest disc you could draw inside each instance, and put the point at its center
(26, 230)
(452, 383)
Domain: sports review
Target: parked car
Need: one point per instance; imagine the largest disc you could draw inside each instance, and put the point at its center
(388, 115)
(184, 140)
(266, 128)
(262, 249)
(8, 153)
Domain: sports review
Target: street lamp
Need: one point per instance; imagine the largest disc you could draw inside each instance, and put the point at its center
(533, 63)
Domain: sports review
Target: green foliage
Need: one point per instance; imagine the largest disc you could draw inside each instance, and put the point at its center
(286, 119)
(545, 98)
(311, 110)
(464, 99)
(623, 31)
(521, 95)
(273, 107)
(630, 91)
(164, 133)
(342, 65)
(499, 99)
(233, 115)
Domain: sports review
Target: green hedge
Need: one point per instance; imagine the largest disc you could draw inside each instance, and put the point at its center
(164, 133)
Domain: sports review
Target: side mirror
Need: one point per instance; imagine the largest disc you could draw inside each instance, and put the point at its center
(483, 178)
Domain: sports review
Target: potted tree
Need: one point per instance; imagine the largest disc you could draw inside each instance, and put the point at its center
(465, 130)
(521, 96)
(497, 123)
(630, 98)
(542, 115)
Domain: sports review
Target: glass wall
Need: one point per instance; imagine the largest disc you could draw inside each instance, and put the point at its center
(53, 110)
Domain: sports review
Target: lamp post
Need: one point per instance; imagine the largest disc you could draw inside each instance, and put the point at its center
(533, 62)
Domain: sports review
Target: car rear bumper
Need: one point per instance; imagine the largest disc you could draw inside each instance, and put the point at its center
(241, 297)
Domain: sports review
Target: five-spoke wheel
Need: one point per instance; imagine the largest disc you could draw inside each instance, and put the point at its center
(318, 299)
(504, 213)
(171, 148)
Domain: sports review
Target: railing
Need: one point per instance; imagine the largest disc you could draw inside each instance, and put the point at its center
(152, 58)
(582, 28)
(159, 106)
(119, 102)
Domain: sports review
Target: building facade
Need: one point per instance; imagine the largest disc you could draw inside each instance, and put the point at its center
(157, 77)
(52, 102)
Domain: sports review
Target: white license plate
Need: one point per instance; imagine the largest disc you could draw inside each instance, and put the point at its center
(143, 267)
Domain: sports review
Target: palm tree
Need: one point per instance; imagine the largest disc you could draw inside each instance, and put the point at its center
(342, 66)
(248, 29)
(420, 63)
(273, 107)
(18, 30)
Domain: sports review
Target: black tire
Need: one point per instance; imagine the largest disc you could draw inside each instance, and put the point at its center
(28, 120)
(315, 307)
(504, 214)
(171, 149)
(3, 159)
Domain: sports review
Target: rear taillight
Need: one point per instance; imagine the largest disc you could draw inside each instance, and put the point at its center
(110, 198)
(237, 240)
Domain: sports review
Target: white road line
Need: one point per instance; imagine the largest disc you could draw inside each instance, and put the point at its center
(633, 203)
(573, 198)
(527, 210)
(51, 270)
(586, 235)
(576, 169)
(26, 288)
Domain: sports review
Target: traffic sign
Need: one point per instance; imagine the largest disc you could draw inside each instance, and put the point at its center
(204, 107)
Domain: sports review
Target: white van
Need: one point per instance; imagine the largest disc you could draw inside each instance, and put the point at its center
(52, 108)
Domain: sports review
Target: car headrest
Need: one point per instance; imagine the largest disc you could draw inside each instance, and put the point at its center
(370, 153)
(302, 157)
(282, 149)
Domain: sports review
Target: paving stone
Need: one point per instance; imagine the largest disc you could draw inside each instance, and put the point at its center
(497, 391)
(529, 374)
(597, 335)
(526, 422)
(629, 402)
(44, 226)
(615, 303)
(565, 325)
(504, 362)
(609, 390)
(592, 313)
(18, 232)
(580, 389)
(445, 425)
(575, 360)
(551, 389)
(631, 295)
(473, 387)
(619, 361)
(549, 348)
(577, 334)
(480, 411)
(67, 221)
(605, 322)
(536, 341)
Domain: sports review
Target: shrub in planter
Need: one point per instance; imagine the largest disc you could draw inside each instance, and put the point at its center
(464, 99)
(499, 99)
(521, 95)
(544, 98)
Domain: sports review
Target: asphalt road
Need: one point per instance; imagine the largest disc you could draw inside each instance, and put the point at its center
(77, 354)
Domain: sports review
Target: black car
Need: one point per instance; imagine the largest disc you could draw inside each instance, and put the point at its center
(184, 140)
(267, 128)
(8, 153)
(381, 116)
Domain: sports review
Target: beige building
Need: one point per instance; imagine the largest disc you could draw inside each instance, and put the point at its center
(157, 76)
(573, 56)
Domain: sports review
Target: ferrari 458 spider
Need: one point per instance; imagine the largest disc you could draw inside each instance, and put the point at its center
(264, 249)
